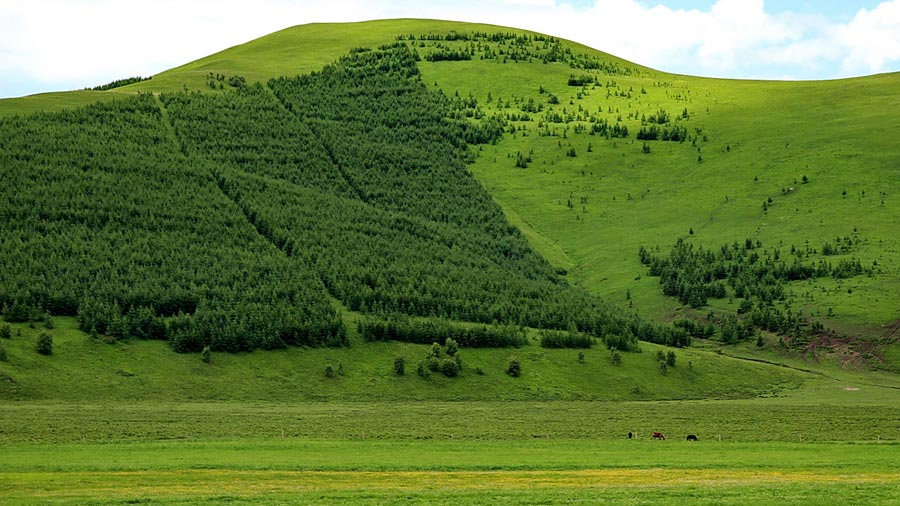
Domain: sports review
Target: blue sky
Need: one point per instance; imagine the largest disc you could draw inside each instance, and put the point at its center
(832, 9)
(51, 45)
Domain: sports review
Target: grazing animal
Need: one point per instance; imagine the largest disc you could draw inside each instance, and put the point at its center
(659, 435)
(692, 437)
(630, 435)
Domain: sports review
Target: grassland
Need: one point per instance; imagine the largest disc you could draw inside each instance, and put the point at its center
(751, 154)
(512, 466)
(55, 101)
(117, 424)
(314, 472)
(86, 370)
(757, 451)
(150, 370)
(789, 164)
(738, 421)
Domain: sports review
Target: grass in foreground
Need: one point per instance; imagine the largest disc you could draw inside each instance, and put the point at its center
(428, 472)
(726, 421)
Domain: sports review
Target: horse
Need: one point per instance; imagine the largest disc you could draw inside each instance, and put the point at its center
(659, 435)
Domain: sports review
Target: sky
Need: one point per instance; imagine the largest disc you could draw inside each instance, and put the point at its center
(54, 45)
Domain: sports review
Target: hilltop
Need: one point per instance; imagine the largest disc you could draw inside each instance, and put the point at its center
(351, 181)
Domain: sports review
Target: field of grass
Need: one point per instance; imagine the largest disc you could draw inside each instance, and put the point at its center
(738, 421)
(516, 488)
(117, 424)
(327, 468)
(763, 137)
(85, 370)
(150, 370)
(54, 101)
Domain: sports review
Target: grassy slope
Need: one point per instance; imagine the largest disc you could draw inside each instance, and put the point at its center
(763, 137)
(790, 130)
(288, 52)
(299, 50)
(53, 101)
(292, 51)
(150, 370)
(777, 132)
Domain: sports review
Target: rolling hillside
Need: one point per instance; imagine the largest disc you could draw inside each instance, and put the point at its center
(245, 212)
(277, 214)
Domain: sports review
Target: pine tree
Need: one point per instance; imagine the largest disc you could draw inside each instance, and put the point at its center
(45, 344)
(515, 368)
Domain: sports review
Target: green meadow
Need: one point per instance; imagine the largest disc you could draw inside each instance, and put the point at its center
(793, 166)
(445, 472)
(633, 198)
(129, 423)
(86, 370)
(54, 101)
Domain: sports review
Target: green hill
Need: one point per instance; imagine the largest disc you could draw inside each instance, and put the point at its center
(218, 212)
(229, 220)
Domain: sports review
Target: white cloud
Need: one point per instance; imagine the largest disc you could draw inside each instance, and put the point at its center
(57, 44)
(872, 39)
(733, 38)
(540, 3)
(89, 42)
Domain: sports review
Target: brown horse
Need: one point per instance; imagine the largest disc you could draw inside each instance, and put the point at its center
(659, 435)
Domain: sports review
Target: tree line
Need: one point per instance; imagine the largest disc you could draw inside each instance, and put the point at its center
(118, 83)
(398, 327)
(695, 274)
(747, 271)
